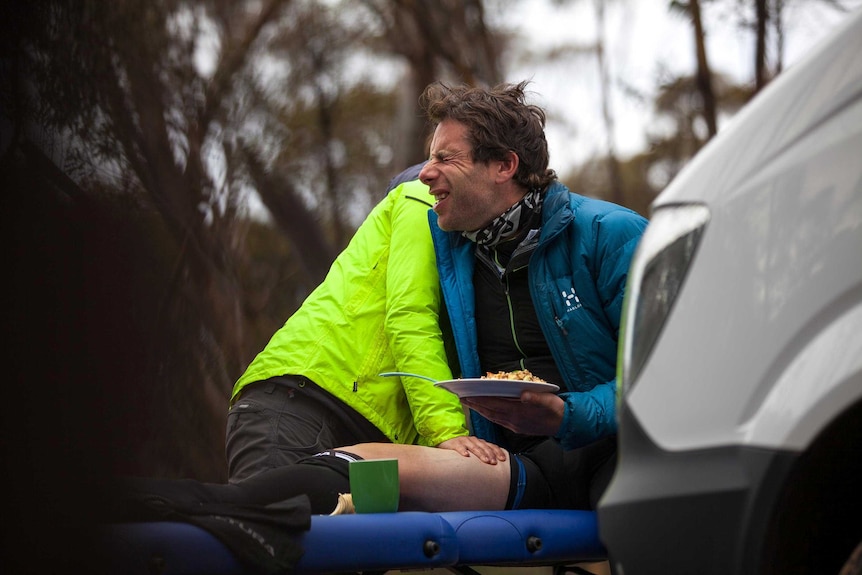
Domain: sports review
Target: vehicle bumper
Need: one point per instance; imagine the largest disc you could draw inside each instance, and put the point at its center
(705, 511)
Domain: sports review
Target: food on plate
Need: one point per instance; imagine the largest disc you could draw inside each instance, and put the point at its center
(519, 375)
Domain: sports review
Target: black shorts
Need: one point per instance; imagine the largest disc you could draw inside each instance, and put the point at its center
(284, 419)
(545, 476)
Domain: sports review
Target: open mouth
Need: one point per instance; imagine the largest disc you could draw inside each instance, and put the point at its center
(440, 198)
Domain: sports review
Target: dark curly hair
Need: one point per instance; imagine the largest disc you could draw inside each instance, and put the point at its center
(498, 120)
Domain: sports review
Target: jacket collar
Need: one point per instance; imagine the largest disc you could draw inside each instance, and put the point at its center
(558, 209)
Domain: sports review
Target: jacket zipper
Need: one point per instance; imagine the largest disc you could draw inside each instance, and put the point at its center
(504, 279)
(559, 323)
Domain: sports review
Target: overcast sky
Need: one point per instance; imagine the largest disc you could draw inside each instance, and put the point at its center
(644, 40)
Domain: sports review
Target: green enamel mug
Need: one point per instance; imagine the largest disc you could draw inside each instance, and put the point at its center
(374, 485)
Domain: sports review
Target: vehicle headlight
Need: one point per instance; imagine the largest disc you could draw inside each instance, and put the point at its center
(656, 275)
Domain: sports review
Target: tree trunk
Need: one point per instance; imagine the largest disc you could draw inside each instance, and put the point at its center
(617, 193)
(704, 74)
(294, 219)
(761, 75)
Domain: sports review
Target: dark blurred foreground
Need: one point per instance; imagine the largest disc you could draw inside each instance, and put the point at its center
(80, 406)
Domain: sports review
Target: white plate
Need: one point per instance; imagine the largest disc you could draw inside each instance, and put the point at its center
(479, 387)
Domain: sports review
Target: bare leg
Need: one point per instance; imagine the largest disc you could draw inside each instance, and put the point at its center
(440, 479)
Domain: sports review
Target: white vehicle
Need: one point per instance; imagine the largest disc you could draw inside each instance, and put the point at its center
(740, 372)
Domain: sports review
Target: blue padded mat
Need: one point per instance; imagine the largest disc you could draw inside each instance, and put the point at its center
(374, 542)
(526, 537)
(378, 541)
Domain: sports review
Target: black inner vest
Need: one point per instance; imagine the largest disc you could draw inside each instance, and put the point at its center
(509, 335)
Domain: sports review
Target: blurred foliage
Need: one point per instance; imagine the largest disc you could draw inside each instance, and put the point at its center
(180, 174)
(269, 283)
(165, 118)
(677, 135)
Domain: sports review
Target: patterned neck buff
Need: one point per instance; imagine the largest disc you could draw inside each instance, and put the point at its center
(510, 222)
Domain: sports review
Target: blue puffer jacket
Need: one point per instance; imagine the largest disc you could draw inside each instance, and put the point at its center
(577, 278)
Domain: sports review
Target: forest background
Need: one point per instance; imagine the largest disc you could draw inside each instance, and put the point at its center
(178, 175)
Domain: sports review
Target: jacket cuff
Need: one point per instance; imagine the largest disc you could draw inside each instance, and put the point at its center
(587, 417)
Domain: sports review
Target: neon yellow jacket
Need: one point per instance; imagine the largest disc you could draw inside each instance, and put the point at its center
(376, 311)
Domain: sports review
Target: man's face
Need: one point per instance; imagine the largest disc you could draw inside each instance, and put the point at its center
(465, 192)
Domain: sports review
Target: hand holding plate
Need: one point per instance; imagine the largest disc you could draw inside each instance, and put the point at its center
(533, 414)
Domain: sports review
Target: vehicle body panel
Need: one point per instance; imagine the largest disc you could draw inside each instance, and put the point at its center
(740, 431)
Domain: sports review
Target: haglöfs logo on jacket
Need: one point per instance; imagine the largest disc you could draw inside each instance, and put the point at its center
(571, 299)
